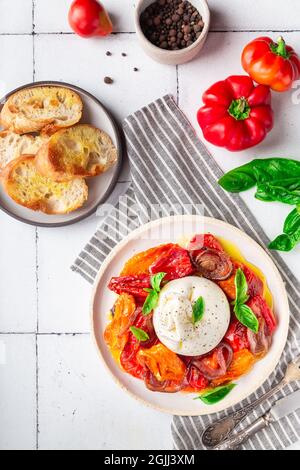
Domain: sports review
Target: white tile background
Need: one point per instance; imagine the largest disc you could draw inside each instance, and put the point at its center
(54, 392)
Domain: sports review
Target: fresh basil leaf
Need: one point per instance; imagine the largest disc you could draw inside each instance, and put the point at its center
(198, 310)
(285, 242)
(292, 222)
(291, 236)
(140, 334)
(215, 395)
(270, 192)
(246, 316)
(241, 287)
(156, 281)
(259, 171)
(150, 302)
(289, 183)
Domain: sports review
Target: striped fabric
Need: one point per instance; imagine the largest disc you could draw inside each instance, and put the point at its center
(170, 169)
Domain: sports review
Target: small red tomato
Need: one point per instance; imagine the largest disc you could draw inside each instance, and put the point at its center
(89, 18)
(271, 63)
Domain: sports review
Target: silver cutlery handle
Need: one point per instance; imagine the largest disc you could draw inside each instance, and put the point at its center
(221, 430)
(238, 439)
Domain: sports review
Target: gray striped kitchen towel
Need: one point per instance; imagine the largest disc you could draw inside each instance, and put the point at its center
(172, 169)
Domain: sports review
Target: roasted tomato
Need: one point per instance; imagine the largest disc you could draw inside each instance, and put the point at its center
(216, 363)
(145, 323)
(167, 386)
(128, 358)
(204, 240)
(259, 343)
(261, 309)
(163, 364)
(195, 379)
(255, 284)
(134, 285)
(116, 333)
(236, 335)
(241, 363)
(176, 263)
(141, 262)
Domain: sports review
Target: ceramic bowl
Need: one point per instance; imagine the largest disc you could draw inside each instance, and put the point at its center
(172, 57)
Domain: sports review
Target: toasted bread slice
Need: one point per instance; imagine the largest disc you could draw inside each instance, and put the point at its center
(14, 145)
(41, 108)
(27, 187)
(81, 150)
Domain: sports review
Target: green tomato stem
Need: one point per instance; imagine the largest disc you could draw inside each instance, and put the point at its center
(279, 48)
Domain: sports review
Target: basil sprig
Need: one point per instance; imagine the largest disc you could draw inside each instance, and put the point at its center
(153, 294)
(210, 397)
(198, 310)
(277, 179)
(243, 313)
(291, 233)
(260, 171)
(140, 334)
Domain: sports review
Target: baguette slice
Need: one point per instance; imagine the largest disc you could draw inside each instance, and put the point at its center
(41, 109)
(14, 145)
(28, 188)
(82, 150)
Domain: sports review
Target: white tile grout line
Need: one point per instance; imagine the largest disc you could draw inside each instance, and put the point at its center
(213, 31)
(36, 267)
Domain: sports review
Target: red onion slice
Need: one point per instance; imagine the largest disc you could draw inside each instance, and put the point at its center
(224, 355)
(259, 342)
(212, 264)
(164, 387)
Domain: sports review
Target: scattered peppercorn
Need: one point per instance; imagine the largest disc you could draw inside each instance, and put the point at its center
(108, 53)
(108, 80)
(135, 69)
(123, 54)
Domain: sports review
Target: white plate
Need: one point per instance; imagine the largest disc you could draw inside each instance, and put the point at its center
(100, 187)
(175, 228)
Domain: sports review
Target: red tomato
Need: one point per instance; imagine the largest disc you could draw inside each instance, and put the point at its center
(128, 358)
(261, 309)
(89, 18)
(176, 263)
(255, 284)
(271, 63)
(196, 380)
(134, 285)
(236, 336)
(205, 241)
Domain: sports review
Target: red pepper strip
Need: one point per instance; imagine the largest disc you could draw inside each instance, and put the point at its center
(176, 263)
(128, 358)
(205, 240)
(133, 285)
(236, 335)
(261, 309)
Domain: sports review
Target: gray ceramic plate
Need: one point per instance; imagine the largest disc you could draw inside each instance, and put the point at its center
(100, 187)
